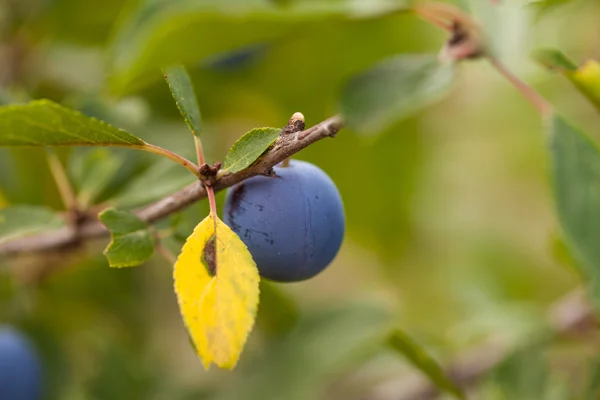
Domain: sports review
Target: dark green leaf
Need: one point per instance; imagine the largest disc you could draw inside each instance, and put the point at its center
(122, 375)
(524, 375)
(586, 77)
(44, 123)
(554, 59)
(143, 190)
(19, 221)
(393, 89)
(546, 5)
(419, 357)
(132, 243)
(462, 4)
(278, 313)
(592, 386)
(167, 33)
(322, 344)
(92, 171)
(182, 90)
(248, 148)
(575, 163)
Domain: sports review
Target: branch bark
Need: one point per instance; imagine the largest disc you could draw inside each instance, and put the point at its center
(286, 146)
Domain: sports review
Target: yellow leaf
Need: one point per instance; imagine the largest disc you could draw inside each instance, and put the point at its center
(587, 79)
(216, 282)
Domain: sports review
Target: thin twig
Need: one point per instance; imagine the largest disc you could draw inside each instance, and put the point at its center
(433, 19)
(166, 253)
(534, 97)
(446, 16)
(286, 146)
(67, 194)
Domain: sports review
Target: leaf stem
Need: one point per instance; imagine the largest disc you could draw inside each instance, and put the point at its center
(445, 16)
(166, 253)
(527, 91)
(199, 151)
(67, 194)
(433, 19)
(190, 166)
(210, 193)
(450, 17)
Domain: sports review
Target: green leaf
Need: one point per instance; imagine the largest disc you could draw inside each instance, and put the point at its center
(394, 89)
(278, 312)
(575, 163)
(587, 80)
(524, 375)
(322, 345)
(44, 123)
(92, 171)
(543, 6)
(592, 385)
(586, 77)
(182, 90)
(3, 201)
(132, 243)
(167, 33)
(554, 60)
(19, 221)
(419, 357)
(248, 148)
(142, 189)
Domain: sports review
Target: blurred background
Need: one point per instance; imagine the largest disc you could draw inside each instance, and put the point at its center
(451, 234)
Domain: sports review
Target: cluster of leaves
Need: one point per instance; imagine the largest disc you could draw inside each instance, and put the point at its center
(215, 278)
(218, 292)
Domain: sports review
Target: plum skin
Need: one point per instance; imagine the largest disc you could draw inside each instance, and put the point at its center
(293, 223)
(20, 367)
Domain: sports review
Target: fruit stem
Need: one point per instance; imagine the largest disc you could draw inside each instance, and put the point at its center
(211, 200)
(210, 193)
(67, 194)
(286, 163)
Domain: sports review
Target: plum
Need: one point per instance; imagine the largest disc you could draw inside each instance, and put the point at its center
(20, 367)
(292, 223)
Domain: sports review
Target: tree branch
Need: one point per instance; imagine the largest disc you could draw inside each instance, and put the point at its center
(287, 145)
(571, 315)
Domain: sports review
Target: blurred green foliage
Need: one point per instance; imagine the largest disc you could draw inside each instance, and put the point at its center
(451, 230)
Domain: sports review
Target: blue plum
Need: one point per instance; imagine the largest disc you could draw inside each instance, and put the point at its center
(20, 367)
(293, 223)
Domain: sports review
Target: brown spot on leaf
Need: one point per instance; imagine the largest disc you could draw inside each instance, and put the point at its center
(209, 256)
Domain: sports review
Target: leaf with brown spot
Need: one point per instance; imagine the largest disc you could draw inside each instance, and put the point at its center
(216, 282)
